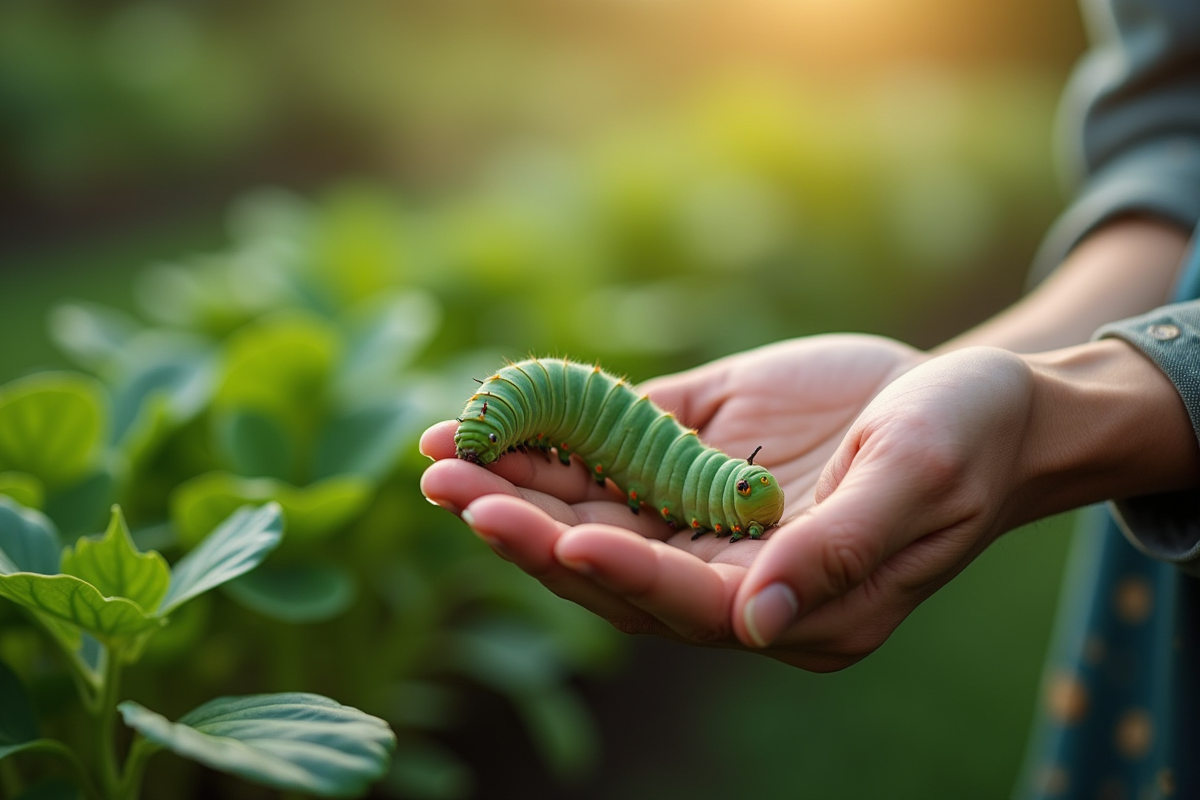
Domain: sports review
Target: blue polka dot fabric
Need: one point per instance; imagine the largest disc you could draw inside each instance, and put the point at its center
(1119, 717)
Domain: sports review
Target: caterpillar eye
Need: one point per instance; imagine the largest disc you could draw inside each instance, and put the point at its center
(765, 481)
(743, 486)
(493, 438)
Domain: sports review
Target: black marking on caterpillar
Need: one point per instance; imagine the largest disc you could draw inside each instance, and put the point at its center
(556, 404)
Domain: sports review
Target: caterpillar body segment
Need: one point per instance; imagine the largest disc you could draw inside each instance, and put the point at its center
(622, 436)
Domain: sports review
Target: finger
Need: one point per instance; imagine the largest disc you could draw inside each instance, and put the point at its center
(527, 536)
(691, 597)
(693, 396)
(547, 474)
(878, 509)
(849, 628)
(437, 442)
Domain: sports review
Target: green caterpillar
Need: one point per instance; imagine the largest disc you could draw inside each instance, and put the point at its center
(620, 435)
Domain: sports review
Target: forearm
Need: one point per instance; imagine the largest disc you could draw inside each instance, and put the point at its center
(1123, 269)
(1105, 424)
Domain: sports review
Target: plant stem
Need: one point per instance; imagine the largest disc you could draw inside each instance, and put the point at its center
(105, 714)
(135, 766)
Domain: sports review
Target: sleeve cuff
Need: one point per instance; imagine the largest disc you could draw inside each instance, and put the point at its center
(1159, 179)
(1166, 526)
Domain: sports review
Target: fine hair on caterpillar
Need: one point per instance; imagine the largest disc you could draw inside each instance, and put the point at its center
(573, 408)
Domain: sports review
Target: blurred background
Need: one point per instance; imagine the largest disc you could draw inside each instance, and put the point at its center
(440, 184)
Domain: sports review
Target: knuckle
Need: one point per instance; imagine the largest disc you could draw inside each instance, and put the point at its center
(707, 634)
(846, 560)
(636, 625)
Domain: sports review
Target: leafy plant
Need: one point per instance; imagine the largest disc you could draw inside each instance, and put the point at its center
(102, 600)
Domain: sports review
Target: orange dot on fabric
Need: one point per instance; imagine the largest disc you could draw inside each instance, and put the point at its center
(1053, 781)
(1134, 733)
(1066, 699)
(1166, 782)
(1133, 599)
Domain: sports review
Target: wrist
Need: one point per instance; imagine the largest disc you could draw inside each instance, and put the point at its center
(1105, 424)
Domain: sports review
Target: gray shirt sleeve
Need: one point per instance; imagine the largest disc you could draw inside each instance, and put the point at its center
(1129, 124)
(1166, 526)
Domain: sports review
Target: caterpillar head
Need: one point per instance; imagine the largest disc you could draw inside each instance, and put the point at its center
(476, 441)
(757, 495)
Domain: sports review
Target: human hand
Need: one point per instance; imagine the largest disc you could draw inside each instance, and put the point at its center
(797, 398)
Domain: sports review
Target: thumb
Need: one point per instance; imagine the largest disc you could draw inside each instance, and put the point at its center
(694, 395)
(879, 507)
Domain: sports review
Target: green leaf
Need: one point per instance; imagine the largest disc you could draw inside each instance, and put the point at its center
(366, 440)
(296, 593)
(68, 599)
(253, 444)
(172, 370)
(523, 664)
(114, 566)
(81, 507)
(386, 333)
(562, 729)
(427, 770)
(236, 547)
(293, 741)
(18, 723)
(28, 541)
(279, 367)
(89, 333)
(312, 512)
(51, 426)
(24, 488)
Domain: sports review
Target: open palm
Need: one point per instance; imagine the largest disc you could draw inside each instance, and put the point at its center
(796, 398)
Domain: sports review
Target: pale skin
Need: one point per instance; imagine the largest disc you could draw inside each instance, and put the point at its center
(900, 470)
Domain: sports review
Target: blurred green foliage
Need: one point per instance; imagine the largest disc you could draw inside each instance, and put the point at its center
(647, 184)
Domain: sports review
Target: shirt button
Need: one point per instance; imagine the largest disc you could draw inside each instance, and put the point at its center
(1163, 332)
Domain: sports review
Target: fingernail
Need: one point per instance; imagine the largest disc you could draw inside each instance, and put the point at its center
(453, 509)
(769, 612)
(497, 546)
(582, 567)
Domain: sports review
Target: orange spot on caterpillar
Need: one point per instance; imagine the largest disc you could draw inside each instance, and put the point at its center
(563, 445)
(599, 468)
(666, 512)
(765, 480)
(632, 494)
(737, 528)
(695, 523)
(718, 527)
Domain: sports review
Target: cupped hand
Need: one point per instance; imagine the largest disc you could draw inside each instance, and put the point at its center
(797, 399)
